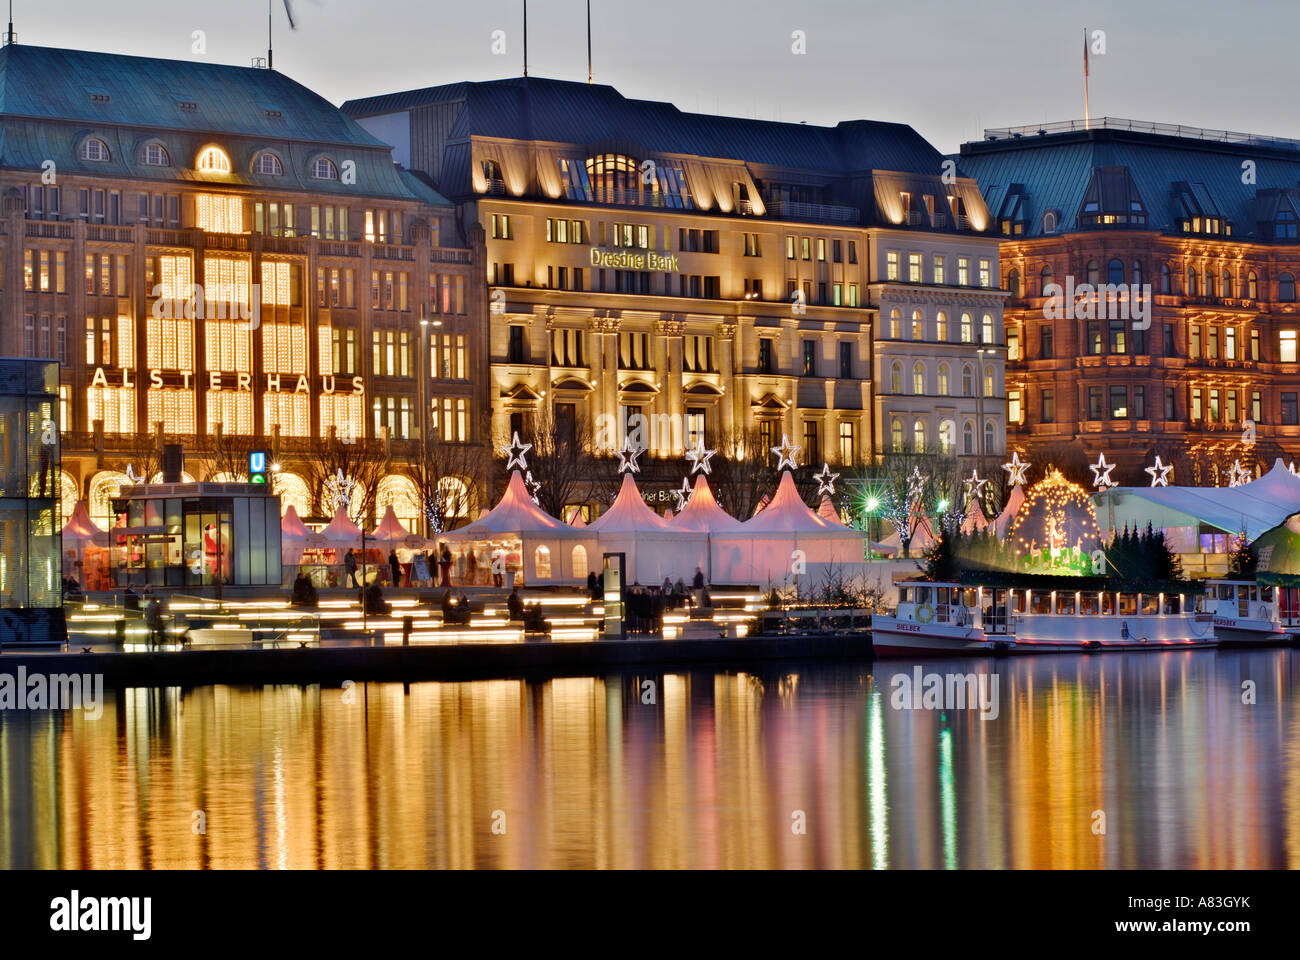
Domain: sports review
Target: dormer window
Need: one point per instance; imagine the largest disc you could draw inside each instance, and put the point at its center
(155, 155)
(95, 150)
(323, 168)
(268, 164)
(1284, 227)
(1051, 220)
(213, 160)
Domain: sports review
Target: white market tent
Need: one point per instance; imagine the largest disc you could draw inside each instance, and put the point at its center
(655, 548)
(702, 513)
(339, 534)
(974, 521)
(549, 550)
(1182, 511)
(294, 535)
(391, 535)
(1015, 499)
(762, 549)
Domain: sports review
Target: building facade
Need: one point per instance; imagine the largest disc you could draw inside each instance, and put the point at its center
(715, 279)
(212, 249)
(1152, 308)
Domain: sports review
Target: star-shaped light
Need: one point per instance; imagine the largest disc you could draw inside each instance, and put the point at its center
(973, 485)
(826, 481)
(338, 491)
(915, 485)
(785, 454)
(1101, 472)
(1291, 468)
(1160, 473)
(699, 458)
(515, 453)
(532, 485)
(684, 494)
(627, 457)
(1016, 469)
(1237, 475)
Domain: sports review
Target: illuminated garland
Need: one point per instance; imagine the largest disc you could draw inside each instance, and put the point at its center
(1055, 530)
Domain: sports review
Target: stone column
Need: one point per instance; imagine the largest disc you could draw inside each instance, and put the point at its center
(670, 402)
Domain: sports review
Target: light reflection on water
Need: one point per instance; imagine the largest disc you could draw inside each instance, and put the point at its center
(717, 772)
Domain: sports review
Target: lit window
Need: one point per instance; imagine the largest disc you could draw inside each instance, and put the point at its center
(155, 155)
(323, 168)
(220, 214)
(214, 160)
(96, 150)
(268, 164)
(1287, 346)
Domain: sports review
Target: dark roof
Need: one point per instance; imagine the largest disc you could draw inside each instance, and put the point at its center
(563, 111)
(52, 99)
(1170, 173)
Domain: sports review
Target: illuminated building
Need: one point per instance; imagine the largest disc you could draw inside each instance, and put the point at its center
(1208, 219)
(206, 246)
(711, 278)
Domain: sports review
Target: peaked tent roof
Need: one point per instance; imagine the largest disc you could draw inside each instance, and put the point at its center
(1255, 507)
(292, 527)
(827, 510)
(1015, 499)
(975, 519)
(629, 514)
(575, 519)
(702, 513)
(79, 525)
(515, 513)
(341, 529)
(787, 513)
(390, 529)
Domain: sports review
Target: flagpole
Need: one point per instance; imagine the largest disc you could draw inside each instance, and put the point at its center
(1087, 114)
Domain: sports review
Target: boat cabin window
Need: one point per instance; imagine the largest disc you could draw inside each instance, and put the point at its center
(1088, 604)
(1128, 604)
(1018, 600)
(1040, 601)
(1107, 604)
(1266, 594)
(1243, 592)
(1173, 603)
(1065, 603)
(945, 596)
(1150, 604)
(1225, 591)
(904, 594)
(968, 597)
(923, 594)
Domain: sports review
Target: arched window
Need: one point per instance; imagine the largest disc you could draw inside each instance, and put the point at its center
(402, 495)
(896, 378)
(918, 325)
(1050, 220)
(1166, 280)
(967, 329)
(941, 326)
(1252, 286)
(1191, 281)
(614, 178)
(323, 168)
(988, 328)
(895, 324)
(968, 438)
(1286, 287)
(1115, 271)
(1209, 282)
(95, 150)
(967, 381)
(542, 562)
(579, 562)
(896, 431)
(456, 504)
(988, 380)
(947, 437)
(918, 378)
(1013, 281)
(1137, 272)
(1225, 289)
(943, 380)
(1094, 272)
(268, 164)
(1045, 278)
(214, 160)
(988, 438)
(155, 155)
(293, 492)
(918, 436)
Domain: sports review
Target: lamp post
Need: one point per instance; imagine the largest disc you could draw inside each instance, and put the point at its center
(424, 409)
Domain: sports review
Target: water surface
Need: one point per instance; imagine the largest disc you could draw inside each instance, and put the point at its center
(795, 766)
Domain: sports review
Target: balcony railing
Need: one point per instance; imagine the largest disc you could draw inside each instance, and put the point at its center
(828, 212)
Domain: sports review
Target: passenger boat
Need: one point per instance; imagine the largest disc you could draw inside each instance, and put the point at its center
(1047, 614)
(1245, 613)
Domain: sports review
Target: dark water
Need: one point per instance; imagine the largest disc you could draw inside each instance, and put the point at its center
(720, 771)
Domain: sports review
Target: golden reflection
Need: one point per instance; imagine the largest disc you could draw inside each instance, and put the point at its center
(808, 769)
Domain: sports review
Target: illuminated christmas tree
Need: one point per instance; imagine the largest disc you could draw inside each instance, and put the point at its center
(1055, 529)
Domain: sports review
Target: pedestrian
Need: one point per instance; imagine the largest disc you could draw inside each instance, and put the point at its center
(515, 604)
(350, 567)
(153, 620)
(444, 566)
(471, 567)
(593, 585)
(394, 568)
(130, 599)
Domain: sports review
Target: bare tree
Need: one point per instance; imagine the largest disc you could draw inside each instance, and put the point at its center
(562, 461)
(364, 462)
(226, 454)
(742, 472)
(447, 477)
